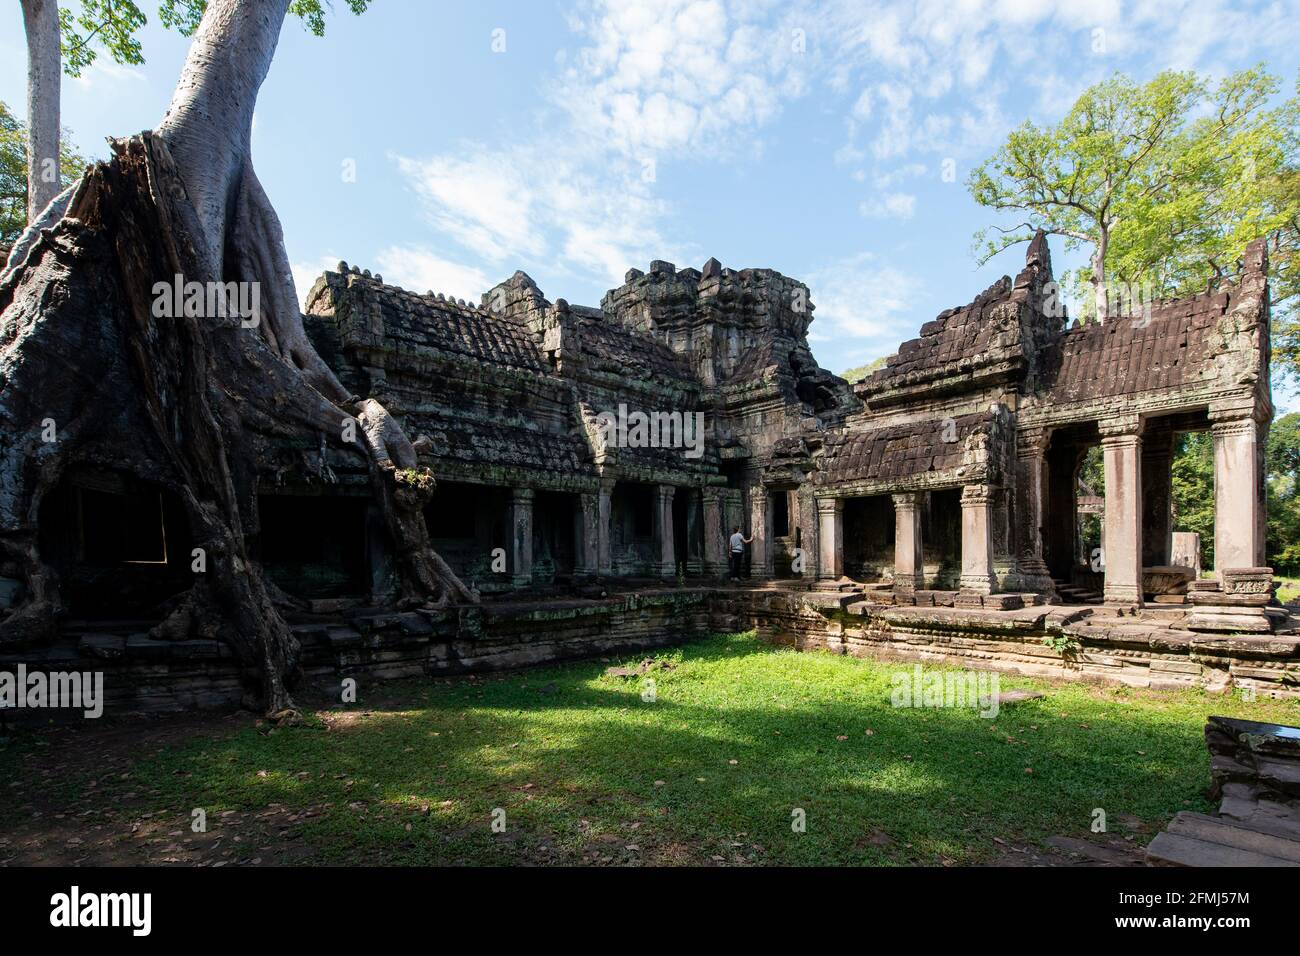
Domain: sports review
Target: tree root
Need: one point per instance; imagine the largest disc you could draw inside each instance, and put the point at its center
(197, 404)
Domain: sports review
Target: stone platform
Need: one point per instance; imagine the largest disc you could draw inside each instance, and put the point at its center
(142, 675)
(1150, 647)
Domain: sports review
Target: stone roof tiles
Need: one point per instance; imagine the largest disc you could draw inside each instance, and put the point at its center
(423, 320)
(964, 336)
(1126, 355)
(497, 444)
(633, 354)
(910, 450)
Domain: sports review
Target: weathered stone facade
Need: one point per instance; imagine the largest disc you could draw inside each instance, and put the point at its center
(929, 511)
(505, 400)
(954, 467)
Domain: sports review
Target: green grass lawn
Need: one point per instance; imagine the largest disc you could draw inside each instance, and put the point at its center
(739, 736)
(1288, 589)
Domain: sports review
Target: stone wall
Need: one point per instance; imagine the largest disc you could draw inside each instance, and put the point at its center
(1147, 652)
(144, 675)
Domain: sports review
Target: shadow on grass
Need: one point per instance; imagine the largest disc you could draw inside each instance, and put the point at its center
(740, 737)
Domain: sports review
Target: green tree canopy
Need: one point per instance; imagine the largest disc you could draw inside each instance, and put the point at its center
(858, 373)
(13, 174)
(88, 25)
(1164, 184)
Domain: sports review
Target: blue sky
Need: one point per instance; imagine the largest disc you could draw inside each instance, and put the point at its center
(579, 138)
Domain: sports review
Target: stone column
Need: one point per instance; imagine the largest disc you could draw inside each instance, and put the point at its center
(663, 525)
(830, 539)
(977, 540)
(909, 564)
(694, 558)
(1122, 535)
(758, 525)
(604, 512)
(1031, 505)
(587, 534)
(733, 510)
(521, 537)
(1238, 494)
(1157, 498)
(715, 533)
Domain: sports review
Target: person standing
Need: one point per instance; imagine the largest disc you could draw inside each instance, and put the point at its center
(738, 542)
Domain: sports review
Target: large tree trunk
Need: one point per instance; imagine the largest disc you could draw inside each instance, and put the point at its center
(199, 404)
(1100, 291)
(41, 24)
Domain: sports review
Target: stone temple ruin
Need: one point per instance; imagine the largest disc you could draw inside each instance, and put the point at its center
(929, 512)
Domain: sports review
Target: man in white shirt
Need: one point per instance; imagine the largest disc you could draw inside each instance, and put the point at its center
(738, 542)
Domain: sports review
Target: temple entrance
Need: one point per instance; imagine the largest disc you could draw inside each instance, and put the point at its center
(869, 526)
(688, 530)
(633, 548)
(1068, 546)
(941, 539)
(556, 527)
(466, 523)
(314, 546)
(787, 532)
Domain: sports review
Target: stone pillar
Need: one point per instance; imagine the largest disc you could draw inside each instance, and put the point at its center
(1122, 536)
(1238, 494)
(1186, 551)
(663, 527)
(694, 558)
(1157, 498)
(604, 512)
(909, 564)
(830, 539)
(521, 537)
(1031, 505)
(758, 525)
(977, 540)
(715, 533)
(587, 535)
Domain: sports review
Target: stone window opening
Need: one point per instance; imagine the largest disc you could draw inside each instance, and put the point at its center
(314, 546)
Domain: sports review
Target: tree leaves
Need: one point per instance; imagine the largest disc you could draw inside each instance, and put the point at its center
(13, 174)
(113, 24)
(1164, 183)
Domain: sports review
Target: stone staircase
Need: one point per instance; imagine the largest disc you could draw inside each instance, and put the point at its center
(1255, 769)
(1074, 594)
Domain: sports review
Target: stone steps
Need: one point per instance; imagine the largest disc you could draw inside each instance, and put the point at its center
(1197, 839)
(1073, 594)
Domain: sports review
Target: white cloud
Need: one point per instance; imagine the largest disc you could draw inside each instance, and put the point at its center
(305, 274)
(558, 205)
(666, 76)
(915, 83)
(484, 200)
(929, 76)
(421, 270)
(862, 298)
(889, 206)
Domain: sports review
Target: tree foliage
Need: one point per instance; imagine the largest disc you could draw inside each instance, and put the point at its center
(858, 373)
(89, 25)
(13, 174)
(1193, 489)
(1282, 464)
(1163, 183)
